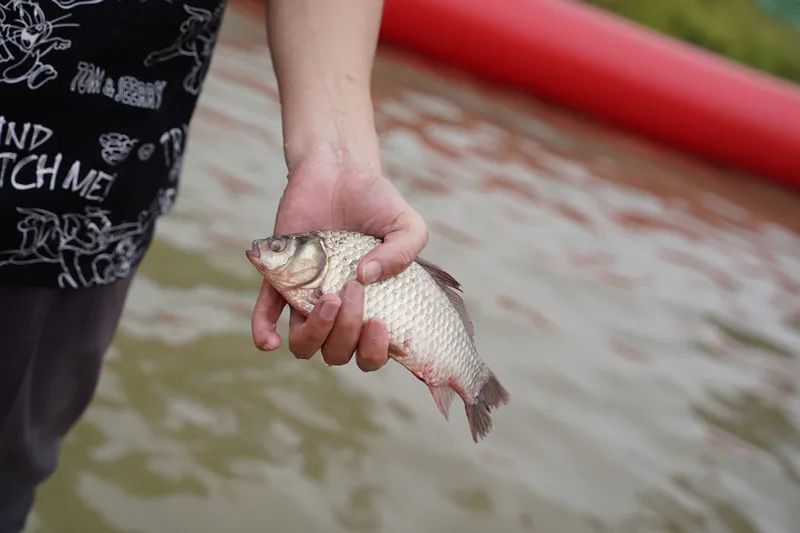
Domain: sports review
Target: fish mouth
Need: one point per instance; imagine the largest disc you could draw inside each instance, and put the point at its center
(254, 252)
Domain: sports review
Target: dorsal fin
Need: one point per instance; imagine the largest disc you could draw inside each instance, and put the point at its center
(449, 285)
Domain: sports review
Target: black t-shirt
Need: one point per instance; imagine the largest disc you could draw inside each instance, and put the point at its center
(95, 102)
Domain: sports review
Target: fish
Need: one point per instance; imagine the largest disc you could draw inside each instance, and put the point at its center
(430, 332)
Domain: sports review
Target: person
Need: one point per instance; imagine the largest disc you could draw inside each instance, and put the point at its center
(96, 98)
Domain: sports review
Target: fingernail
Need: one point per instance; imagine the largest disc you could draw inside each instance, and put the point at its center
(351, 290)
(372, 271)
(328, 311)
(373, 331)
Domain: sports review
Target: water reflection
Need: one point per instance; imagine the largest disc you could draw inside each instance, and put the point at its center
(753, 419)
(162, 429)
(664, 512)
(641, 306)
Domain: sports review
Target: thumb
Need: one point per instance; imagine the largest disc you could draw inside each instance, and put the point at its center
(398, 250)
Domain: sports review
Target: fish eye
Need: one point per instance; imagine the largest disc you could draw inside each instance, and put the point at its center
(277, 245)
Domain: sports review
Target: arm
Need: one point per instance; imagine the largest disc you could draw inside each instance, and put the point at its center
(322, 52)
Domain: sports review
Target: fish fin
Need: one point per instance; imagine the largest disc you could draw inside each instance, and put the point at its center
(491, 395)
(450, 285)
(438, 274)
(396, 353)
(443, 396)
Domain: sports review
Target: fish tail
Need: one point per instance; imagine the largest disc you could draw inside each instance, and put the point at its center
(491, 395)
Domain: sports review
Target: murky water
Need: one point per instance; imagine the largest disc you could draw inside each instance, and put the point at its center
(642, 308)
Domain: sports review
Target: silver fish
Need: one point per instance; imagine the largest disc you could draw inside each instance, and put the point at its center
(430, 332)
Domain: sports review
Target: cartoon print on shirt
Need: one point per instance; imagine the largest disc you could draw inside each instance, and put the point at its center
(146, 151)
(88, 247)
(173, 142)
(129, 90)
(198, 34)
(116, 147)
(26, 37)
(69, 4)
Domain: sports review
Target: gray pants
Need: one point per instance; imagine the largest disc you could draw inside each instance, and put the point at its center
(51, 347)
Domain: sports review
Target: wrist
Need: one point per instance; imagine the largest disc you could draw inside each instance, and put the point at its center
(337, 128)
(334, 165)
(358, 153)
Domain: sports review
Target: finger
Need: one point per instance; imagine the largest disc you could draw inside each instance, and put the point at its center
(268, 308)
(306, 337)
(373, 348)
(343, 339)
(398, 250)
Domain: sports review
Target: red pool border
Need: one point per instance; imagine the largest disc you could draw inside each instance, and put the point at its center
(586, 59)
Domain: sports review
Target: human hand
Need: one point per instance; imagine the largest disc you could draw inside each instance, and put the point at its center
(331, 193)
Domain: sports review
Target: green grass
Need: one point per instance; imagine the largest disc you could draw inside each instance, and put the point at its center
(739, 29)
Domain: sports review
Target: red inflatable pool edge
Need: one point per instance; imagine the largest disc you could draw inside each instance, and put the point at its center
(586, 59)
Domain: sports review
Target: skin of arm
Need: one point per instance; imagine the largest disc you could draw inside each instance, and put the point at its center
(322, 53)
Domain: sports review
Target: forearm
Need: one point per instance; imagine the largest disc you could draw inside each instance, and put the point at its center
(322, 52)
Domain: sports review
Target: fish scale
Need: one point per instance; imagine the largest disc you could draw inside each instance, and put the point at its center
(429, 330)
